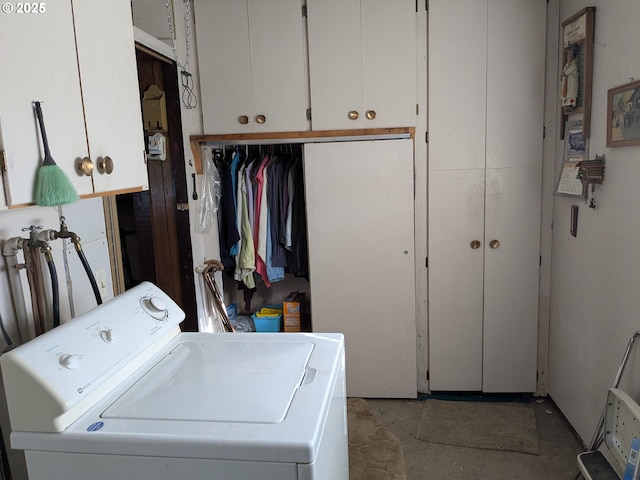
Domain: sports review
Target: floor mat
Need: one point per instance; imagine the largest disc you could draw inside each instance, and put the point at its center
(374, 452)
(491, 426)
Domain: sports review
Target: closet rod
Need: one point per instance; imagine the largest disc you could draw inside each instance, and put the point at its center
(280, 141)
(316, 136)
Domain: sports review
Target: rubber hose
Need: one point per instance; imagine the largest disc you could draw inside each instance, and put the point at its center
(5, 335)
(55, 293)
(92, 279)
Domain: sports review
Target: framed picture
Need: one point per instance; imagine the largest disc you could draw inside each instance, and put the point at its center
(577, 67)
(623, 115)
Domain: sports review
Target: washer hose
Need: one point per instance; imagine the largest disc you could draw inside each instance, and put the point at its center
(55, 290)
(87, 268)
(5, 335)
(75, 239)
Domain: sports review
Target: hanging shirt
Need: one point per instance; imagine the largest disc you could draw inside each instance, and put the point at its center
(235, 164)
(245, 261)
(277, 212)
(260, 221)
(275, 273)
(290, 192)
(228, 232)
(249, 190)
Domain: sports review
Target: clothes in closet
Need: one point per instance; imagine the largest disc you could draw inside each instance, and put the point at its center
(261, 217)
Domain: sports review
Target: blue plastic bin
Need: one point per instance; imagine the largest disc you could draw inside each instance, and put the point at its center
(267, 324)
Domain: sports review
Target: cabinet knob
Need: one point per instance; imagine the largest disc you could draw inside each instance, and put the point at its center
(371, 114)
(261, 118)
(494, 244)
(85, 166)
(105, 165)
(353, 115)
(243, 119)
(475, 244)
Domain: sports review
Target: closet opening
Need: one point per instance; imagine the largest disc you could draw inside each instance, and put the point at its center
(262, 228)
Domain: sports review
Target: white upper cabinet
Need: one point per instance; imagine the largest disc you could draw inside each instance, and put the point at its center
(362, 63)
(78, 59)
(252, 65)
(109, 76)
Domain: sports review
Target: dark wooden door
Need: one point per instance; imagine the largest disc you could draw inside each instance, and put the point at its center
(154, 226)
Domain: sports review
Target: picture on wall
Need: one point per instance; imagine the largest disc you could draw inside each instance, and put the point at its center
(577, 68)
(623, 115)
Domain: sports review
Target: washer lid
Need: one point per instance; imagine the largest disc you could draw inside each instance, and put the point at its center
(245, 382)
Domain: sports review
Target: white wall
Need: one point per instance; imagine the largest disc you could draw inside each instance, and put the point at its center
(86, 219)
(595, 277)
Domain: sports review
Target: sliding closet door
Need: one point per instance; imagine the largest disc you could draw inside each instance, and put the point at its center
(361, 259)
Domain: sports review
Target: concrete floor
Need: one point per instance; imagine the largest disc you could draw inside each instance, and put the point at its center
(559, 446)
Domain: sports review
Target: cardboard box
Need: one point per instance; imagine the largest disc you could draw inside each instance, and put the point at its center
(292, 311)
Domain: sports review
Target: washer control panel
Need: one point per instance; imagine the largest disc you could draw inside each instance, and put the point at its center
(66, 364)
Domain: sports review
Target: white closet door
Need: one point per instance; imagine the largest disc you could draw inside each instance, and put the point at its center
(483, 302)
(510, 336)
(361, 259)
(513, 193)
(457, 83)
(456, 291)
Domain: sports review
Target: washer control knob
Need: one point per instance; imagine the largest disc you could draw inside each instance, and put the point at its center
(107, 335)
(70, 361)
(155, 307)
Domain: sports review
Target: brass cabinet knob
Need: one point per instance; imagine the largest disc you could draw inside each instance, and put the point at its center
(243, 119)
(85, 166)
(475, 244)
(494, 244)
(105, 165)
(353, 115)
(261, 118)
(371, 114)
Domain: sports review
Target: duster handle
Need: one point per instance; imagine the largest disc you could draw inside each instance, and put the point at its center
(47, 153)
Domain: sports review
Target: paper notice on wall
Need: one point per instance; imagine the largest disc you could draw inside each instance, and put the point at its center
(569, 183)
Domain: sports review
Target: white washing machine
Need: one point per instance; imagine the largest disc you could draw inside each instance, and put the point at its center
(121, 393)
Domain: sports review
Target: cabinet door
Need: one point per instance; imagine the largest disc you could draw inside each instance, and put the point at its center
(389, 63)
(108, 72)
(456, 291)
(335, 63)
(224, 61)
(361, 259)
(278, 65)
(41, 52)
(251, 60)
(362, 58)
